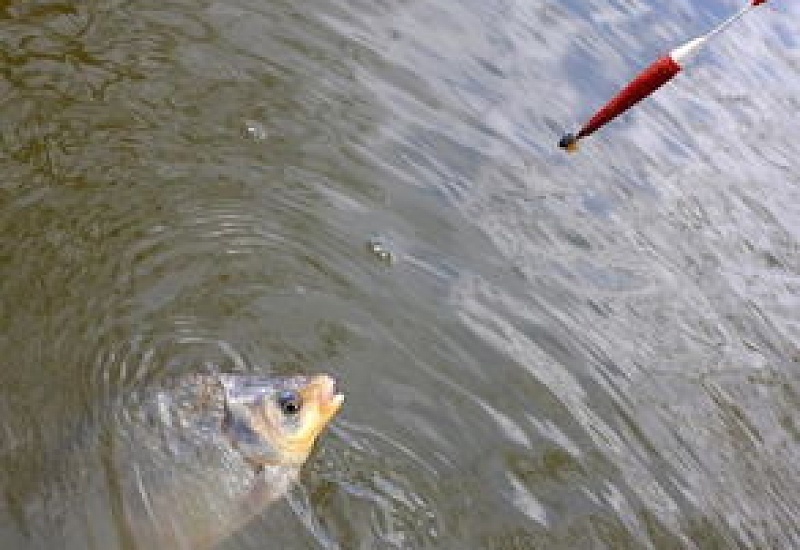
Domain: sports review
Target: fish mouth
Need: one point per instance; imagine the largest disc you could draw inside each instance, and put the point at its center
(322, 389)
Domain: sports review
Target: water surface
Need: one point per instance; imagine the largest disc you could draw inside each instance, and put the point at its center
(588, 351)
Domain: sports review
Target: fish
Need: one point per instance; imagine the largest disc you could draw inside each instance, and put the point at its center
(195, 461)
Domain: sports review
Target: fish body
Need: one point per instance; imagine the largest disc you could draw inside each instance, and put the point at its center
(197, 459)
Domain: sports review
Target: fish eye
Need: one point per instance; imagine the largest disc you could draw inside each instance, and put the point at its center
(289, 402)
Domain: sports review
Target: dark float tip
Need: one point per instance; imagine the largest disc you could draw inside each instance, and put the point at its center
(569, 142)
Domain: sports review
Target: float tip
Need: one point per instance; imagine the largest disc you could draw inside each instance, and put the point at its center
(569, 143)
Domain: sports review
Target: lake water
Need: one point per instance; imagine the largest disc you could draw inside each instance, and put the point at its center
(539, 351)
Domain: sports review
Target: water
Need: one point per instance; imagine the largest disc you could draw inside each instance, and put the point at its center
(539, 351)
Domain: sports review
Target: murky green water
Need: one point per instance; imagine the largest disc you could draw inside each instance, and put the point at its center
(594, 351)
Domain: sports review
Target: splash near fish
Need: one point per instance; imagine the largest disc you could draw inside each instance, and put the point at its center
(648, 81)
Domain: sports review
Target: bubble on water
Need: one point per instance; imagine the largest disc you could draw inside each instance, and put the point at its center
(380, 248)
(255, 130)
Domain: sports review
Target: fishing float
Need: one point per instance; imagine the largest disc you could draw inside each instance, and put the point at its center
(649, 80)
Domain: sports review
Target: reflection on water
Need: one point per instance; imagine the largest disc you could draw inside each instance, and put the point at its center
(539, 351)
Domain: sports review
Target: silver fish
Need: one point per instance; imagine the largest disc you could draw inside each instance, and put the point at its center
(195, 461)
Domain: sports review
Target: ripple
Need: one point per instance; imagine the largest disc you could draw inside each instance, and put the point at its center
(361, 489)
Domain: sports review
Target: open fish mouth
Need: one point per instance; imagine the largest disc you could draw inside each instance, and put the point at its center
(322, 388)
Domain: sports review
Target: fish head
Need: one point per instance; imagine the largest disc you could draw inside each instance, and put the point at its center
(276, 420)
